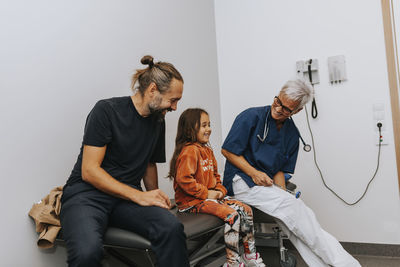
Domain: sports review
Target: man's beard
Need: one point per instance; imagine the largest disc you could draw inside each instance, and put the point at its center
(159, 113)
(155, 109)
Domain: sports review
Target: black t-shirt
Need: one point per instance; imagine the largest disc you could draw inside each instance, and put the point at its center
(132, 140)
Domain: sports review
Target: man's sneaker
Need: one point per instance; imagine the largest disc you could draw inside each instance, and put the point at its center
(251, 260)
(238, 264)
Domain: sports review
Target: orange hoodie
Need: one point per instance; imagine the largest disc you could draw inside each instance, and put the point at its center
(196, 173)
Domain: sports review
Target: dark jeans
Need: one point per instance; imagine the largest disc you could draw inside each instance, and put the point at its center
(86, 212)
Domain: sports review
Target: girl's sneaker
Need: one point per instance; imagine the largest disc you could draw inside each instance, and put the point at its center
(238, 264)
(251, 260)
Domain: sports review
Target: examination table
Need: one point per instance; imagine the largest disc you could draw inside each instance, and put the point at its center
(204, 240)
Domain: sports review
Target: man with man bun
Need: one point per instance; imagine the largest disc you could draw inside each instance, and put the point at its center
(124, 138)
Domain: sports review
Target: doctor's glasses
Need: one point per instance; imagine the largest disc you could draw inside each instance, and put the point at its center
(285, 110)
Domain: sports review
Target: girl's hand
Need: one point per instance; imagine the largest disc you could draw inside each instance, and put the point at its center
(220, 195)
(214, 194)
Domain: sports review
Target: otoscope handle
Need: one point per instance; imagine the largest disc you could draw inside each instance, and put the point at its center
(296, 194)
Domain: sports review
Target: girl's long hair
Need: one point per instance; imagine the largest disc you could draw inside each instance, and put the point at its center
(188, 126)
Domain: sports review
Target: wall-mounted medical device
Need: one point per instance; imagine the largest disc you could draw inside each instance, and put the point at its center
(303, 67)
(337, 69)
(308, 70)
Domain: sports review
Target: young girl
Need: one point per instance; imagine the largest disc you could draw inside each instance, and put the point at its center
(198, 187)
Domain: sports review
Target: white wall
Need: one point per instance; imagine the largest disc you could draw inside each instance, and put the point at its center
(258, 43)
(57, 58)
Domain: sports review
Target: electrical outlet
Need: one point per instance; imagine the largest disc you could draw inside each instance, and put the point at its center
(382, 139)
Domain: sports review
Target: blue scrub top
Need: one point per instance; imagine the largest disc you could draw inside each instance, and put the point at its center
(277, 153)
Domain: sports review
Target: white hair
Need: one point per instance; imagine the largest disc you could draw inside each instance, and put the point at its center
(298, 90)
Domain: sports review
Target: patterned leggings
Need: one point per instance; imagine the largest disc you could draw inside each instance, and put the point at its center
(238, 219)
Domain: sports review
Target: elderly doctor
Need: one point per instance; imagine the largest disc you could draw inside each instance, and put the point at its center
(260, 148)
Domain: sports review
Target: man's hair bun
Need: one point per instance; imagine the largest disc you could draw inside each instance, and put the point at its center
(147, 60)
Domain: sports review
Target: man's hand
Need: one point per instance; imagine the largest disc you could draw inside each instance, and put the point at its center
(153, 198)
(215, 194)
(261, 178)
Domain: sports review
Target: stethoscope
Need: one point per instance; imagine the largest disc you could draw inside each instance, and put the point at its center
(306, 147)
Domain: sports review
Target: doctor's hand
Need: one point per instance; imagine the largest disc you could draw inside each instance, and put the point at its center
(261, 178)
